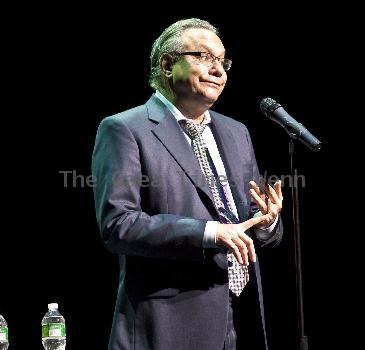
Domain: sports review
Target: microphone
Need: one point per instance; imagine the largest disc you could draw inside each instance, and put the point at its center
(275, 112)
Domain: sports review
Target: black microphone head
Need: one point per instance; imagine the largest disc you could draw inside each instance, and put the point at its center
(268, 106)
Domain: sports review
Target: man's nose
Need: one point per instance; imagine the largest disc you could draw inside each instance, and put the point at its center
(216, 69)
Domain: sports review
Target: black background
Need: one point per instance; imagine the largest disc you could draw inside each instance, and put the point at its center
(74, 67)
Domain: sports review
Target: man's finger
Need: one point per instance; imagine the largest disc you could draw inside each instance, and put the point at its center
(235, 250)
(257, 189)
(273, 195)
(258, 200)
(249, 245)
(254, 221)
(254, 186)
(277, 187)
(242, 248)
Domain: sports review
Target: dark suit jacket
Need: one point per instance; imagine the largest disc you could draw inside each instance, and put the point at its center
(152, 205)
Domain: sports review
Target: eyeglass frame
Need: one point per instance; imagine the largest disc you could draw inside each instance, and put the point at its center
(213, 58)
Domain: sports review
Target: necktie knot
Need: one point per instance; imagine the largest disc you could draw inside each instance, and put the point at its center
(193, 130)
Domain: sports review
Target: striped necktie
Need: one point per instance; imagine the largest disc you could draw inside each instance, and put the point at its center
(237, 274)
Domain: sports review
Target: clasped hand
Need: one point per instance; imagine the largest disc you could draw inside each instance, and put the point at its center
(233, 236)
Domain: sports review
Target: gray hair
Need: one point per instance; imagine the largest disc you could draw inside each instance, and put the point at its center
(170, 41)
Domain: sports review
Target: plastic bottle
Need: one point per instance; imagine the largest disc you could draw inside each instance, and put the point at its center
(4, 336)
(53, 329)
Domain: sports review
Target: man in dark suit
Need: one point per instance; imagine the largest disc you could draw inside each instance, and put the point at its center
(175, 198)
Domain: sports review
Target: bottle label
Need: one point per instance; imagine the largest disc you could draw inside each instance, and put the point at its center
(53, 330)
(4, 334)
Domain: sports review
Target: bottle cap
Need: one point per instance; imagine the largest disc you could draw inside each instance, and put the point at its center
(53, 306)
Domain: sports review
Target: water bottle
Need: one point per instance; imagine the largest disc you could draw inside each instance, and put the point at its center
(53, 329)
(4, 338)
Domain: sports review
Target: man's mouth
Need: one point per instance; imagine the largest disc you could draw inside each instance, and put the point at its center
(211, 83)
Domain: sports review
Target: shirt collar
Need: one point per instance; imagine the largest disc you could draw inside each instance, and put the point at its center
(176, 113)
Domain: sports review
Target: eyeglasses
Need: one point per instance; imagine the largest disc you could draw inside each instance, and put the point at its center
(208, 58)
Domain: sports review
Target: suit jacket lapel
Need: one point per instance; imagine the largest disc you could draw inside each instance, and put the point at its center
(229, 153)
(169, 132)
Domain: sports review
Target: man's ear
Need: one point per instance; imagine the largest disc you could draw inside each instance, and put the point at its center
(166, 64)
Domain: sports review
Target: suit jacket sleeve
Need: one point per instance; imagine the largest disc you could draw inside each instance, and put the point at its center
(124, 226)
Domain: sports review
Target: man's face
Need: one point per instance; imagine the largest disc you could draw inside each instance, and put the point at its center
(194, 81)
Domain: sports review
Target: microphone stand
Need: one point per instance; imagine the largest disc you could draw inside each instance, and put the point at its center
(303, 340)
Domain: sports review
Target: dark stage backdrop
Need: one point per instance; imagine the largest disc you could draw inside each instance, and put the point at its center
(81, 66)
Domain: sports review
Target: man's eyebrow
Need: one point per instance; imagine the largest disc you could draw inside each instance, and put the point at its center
(211, 51)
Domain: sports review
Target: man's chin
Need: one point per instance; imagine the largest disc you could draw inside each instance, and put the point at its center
(206, 97)
(210, 98)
